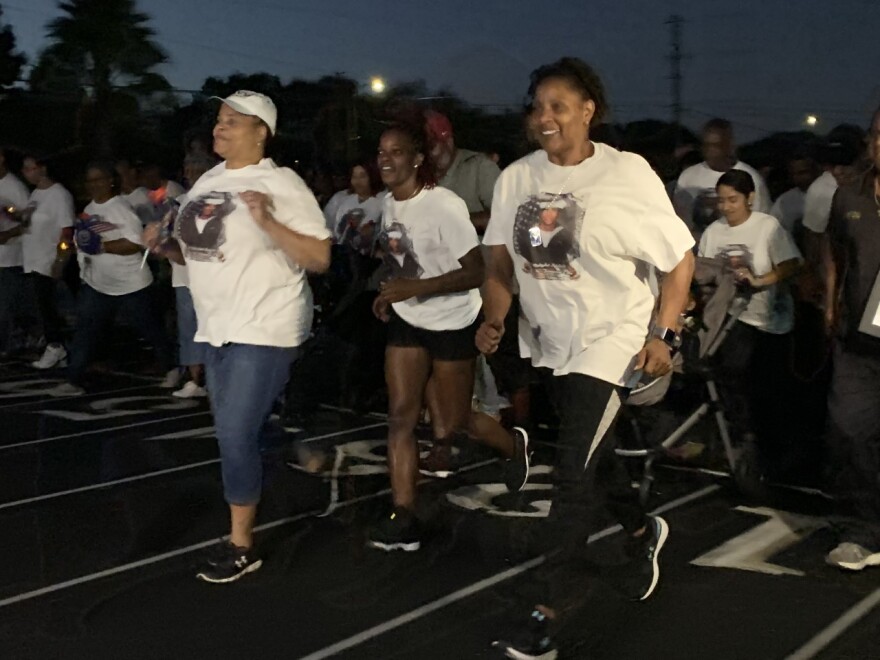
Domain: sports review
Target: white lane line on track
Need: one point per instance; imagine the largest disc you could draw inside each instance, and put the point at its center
(466, 592)
(31, 443)
(157, 473)
(85, 579)
(837, 628)
(62, 399)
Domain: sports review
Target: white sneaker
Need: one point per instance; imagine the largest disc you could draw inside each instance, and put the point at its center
(66, 389)
(172, 379)
(852, 557)
(53, 356)
(190, 391)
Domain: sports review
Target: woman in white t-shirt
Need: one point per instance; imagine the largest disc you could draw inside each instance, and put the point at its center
(358, 213)
(431, 301)
(762, 256)
(582, 227)
(48, 220)
(108, 245)
(249, 232)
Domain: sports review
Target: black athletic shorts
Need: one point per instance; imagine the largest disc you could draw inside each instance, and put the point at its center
(451, 345)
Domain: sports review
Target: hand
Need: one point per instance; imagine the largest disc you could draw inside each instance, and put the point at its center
(152, 237)
(399, 289)
(745, 275)
(488, 337)
(380, 309)
(655, 358)
(260, 206)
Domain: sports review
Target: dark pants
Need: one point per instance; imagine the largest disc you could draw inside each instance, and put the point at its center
(95, 310)
(754, 369)
(44, 292)
(12, 296)
(586, 467)
(854, 442)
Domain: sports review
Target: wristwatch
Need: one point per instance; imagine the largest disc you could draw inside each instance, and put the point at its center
(668, 336)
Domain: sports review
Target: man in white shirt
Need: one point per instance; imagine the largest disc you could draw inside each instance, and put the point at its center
(789, 206)
(694, 198)
(13, 200)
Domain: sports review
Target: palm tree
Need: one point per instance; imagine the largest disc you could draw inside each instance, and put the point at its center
(105, 49)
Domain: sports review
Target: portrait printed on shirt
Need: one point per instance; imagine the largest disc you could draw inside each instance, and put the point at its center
(354, 232)
(202, 226)
(546, 234)
(398, 250)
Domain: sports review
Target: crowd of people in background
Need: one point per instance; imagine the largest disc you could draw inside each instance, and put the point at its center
(450, 288)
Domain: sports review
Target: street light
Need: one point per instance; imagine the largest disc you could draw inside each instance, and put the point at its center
(811, 120)
(377, 85)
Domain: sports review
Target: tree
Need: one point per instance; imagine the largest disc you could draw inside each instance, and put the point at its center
(105, 48)
(11, 61)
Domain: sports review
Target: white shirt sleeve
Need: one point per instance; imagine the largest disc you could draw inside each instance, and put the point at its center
(128, 225)
(662, 238)
(817, 206)
(296, 206)
(456, 229)
(763, 202)
(782, 245)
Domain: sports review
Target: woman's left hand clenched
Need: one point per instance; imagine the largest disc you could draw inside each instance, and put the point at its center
(260, 206)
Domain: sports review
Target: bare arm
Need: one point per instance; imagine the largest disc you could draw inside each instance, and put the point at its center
(469, 276)
(122, 247)
(497, 298)
(9, 234)
(830, 277)
(480, 220)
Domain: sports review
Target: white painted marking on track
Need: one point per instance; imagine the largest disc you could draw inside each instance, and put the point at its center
(838, 627)
(466, 592)
(30, 443)
(150, 475)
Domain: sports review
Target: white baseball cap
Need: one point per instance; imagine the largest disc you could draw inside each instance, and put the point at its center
(253, 104)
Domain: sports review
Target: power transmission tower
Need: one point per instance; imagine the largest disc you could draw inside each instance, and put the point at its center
(675, 23)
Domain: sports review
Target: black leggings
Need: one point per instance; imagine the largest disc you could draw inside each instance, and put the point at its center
(44, 292)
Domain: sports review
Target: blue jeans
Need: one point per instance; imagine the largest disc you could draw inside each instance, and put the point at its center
(243, 382)
(190, 351)
(95, 310)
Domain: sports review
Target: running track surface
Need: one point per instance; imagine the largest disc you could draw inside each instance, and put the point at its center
(107, 502)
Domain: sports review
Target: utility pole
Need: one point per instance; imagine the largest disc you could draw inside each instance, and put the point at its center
(675, 57)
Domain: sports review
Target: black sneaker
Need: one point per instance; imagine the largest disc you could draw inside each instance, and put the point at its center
(532, 643)
(645, 552)
(399, 531)
(228, 564)
(516, 469)
(438, 462)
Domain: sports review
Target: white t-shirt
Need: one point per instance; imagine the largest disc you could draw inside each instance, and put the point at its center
(114, 274)
(817, 204)
(353, 219)
(332, 206)
(696, 200)
(179, 275)
(425, 237)
(760, 243)
(245, 289)
(140, 201)
(13, 193)
(789, 208)
(583, 240)
(51, 211)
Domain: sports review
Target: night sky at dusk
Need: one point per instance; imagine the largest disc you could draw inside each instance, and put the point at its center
(765, 64)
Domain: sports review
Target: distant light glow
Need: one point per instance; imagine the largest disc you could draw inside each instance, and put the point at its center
(377, 85)
(811, 120)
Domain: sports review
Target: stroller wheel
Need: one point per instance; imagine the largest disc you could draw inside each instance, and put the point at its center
(748, 473)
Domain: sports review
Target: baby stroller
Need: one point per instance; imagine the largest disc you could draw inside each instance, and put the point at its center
(719, 302)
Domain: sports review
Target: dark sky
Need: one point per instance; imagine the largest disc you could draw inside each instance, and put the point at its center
(765, 64)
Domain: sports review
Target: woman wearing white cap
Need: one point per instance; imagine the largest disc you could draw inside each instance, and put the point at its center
(248, 233)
